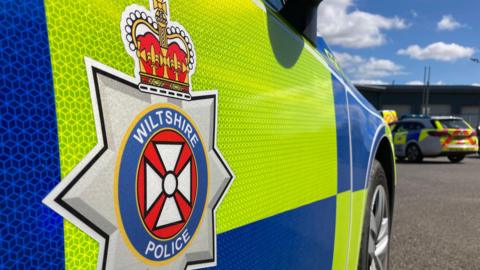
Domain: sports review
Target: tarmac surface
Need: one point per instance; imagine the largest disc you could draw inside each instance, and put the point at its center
(436, 223)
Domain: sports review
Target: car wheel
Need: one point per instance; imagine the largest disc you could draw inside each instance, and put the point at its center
(414, 154)
(456, 158)
(375, 244)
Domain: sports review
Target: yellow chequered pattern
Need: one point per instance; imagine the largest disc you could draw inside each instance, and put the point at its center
(77, 29)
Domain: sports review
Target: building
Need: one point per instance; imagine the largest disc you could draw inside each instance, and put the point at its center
(458, 100)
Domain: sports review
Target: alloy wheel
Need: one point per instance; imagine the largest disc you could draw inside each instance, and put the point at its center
(379, 230)
(413, 153)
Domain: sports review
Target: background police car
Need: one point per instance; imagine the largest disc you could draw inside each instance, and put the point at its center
(423, 136)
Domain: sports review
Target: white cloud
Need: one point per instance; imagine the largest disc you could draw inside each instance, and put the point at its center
(438, 51)
(369, 82)
(360, 68)
(475, 84)
(414, 13)
(414, 83)
(448, 23)
(353, 29)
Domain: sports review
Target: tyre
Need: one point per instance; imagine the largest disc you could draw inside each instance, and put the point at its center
(456, 158)
(414, 154)
(375, 243)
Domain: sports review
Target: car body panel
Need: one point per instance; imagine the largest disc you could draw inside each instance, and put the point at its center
(285, 112)
(430, 146)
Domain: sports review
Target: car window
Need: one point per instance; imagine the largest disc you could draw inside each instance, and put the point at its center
(400, 127)
(454, 123)
(417, 126)
(408, 126)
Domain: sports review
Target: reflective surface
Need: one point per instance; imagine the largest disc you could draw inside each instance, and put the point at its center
(379, 230)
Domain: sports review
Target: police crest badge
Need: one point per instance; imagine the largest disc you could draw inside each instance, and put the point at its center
(149, 190)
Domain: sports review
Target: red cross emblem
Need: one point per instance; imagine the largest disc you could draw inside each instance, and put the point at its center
(166, 184)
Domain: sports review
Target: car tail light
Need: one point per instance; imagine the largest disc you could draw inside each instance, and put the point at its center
(438, 133)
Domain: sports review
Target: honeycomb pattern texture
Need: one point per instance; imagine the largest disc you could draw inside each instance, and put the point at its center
(31, 235)
(77, 29)
(276, 118)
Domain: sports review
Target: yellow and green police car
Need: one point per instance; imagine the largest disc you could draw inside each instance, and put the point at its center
(170, 134)
(419, 136)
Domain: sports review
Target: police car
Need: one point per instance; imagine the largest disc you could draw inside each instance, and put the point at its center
(416, 137)
(170, 134)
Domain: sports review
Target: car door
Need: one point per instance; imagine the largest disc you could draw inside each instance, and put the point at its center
(300, 236)
(284, 141)
(399, 134)
(415, 131)
(275, 122)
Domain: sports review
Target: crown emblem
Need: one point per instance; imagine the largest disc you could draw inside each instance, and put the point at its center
(163, 51)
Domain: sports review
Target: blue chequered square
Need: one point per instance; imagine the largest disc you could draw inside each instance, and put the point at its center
(31, 235)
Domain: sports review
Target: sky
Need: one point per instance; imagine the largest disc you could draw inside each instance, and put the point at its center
(385, 41)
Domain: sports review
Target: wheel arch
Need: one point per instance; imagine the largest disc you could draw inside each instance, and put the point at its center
(386, 156)
(382, 153)
(414, 143)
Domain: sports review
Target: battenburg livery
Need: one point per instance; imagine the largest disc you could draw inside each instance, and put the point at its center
(164, 178)
(116, 155)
